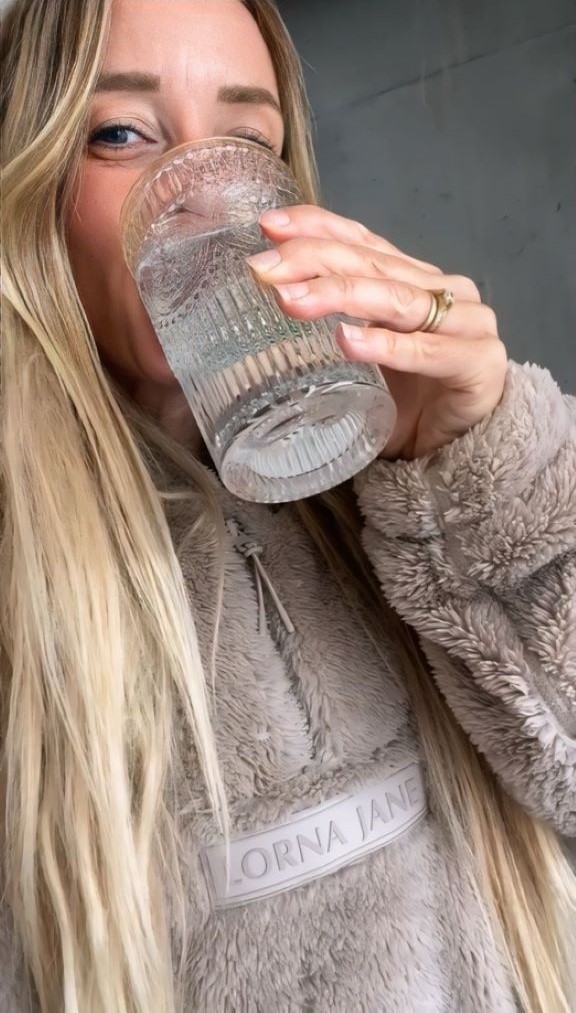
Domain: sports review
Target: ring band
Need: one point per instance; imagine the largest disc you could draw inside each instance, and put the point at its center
(442, 300)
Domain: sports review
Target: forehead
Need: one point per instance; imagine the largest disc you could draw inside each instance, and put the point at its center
(188, 42)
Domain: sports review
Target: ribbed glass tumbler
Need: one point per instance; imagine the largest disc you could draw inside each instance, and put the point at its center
(283, 413)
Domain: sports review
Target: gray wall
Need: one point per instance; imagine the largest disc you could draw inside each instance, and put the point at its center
(448, 127)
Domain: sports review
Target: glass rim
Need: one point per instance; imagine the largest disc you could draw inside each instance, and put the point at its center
(159, 165)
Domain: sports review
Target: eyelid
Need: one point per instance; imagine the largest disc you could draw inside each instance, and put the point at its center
(120, 121)
(253, 134)
(126, 123)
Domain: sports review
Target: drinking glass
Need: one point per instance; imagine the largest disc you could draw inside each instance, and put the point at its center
(283, 413)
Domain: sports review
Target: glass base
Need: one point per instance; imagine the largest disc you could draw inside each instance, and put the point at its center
(309, 441)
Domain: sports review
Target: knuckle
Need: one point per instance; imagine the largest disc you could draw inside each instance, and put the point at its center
(401, 298)
(431, 268)
(468, 288)
(392, 342)
(492, 350)
(491, 320)
(362, 233)
(340, 283)
(431, 351)
(419, 352)
(346, 286)
(500, 353)
(381, 265)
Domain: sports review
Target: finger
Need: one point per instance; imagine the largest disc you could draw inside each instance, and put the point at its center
(391, 304)
(433, 355)
(302, 258)
(313, 220)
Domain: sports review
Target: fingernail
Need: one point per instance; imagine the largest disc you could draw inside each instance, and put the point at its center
(296, 291)
(352, 333)
(264, 261)
(274, 217)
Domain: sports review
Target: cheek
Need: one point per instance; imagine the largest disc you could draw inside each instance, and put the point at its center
(94, 226)
(119, 322)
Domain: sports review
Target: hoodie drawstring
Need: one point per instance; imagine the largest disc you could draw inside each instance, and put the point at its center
(253, 550)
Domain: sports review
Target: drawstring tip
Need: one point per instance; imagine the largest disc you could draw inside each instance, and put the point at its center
(274, 595)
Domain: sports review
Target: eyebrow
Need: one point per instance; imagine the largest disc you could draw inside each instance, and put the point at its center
(247, 94)
(232, 94)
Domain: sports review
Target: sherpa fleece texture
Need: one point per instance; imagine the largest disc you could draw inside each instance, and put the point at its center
(475, 547)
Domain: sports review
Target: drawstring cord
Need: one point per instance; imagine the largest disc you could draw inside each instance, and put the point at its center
(253, 550)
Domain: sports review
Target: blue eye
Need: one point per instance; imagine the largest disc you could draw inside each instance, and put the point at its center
(113, 130)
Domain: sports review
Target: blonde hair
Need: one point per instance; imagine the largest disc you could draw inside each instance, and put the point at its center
(97, 642)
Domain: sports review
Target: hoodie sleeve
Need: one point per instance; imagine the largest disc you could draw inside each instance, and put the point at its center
(475, 547)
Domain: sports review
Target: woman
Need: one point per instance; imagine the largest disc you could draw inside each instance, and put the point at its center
(389, 746)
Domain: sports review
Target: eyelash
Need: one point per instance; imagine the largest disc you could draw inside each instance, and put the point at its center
(126, 125)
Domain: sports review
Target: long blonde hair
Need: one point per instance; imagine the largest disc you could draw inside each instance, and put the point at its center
(97, 642)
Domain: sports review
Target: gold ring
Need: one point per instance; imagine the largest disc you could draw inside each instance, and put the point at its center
(442, 300)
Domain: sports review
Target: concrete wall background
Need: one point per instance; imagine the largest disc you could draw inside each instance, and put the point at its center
(448, 127)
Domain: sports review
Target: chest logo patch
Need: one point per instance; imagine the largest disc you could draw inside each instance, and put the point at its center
(316, 841)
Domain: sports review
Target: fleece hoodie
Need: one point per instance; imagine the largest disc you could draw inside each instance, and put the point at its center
(344, 891)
